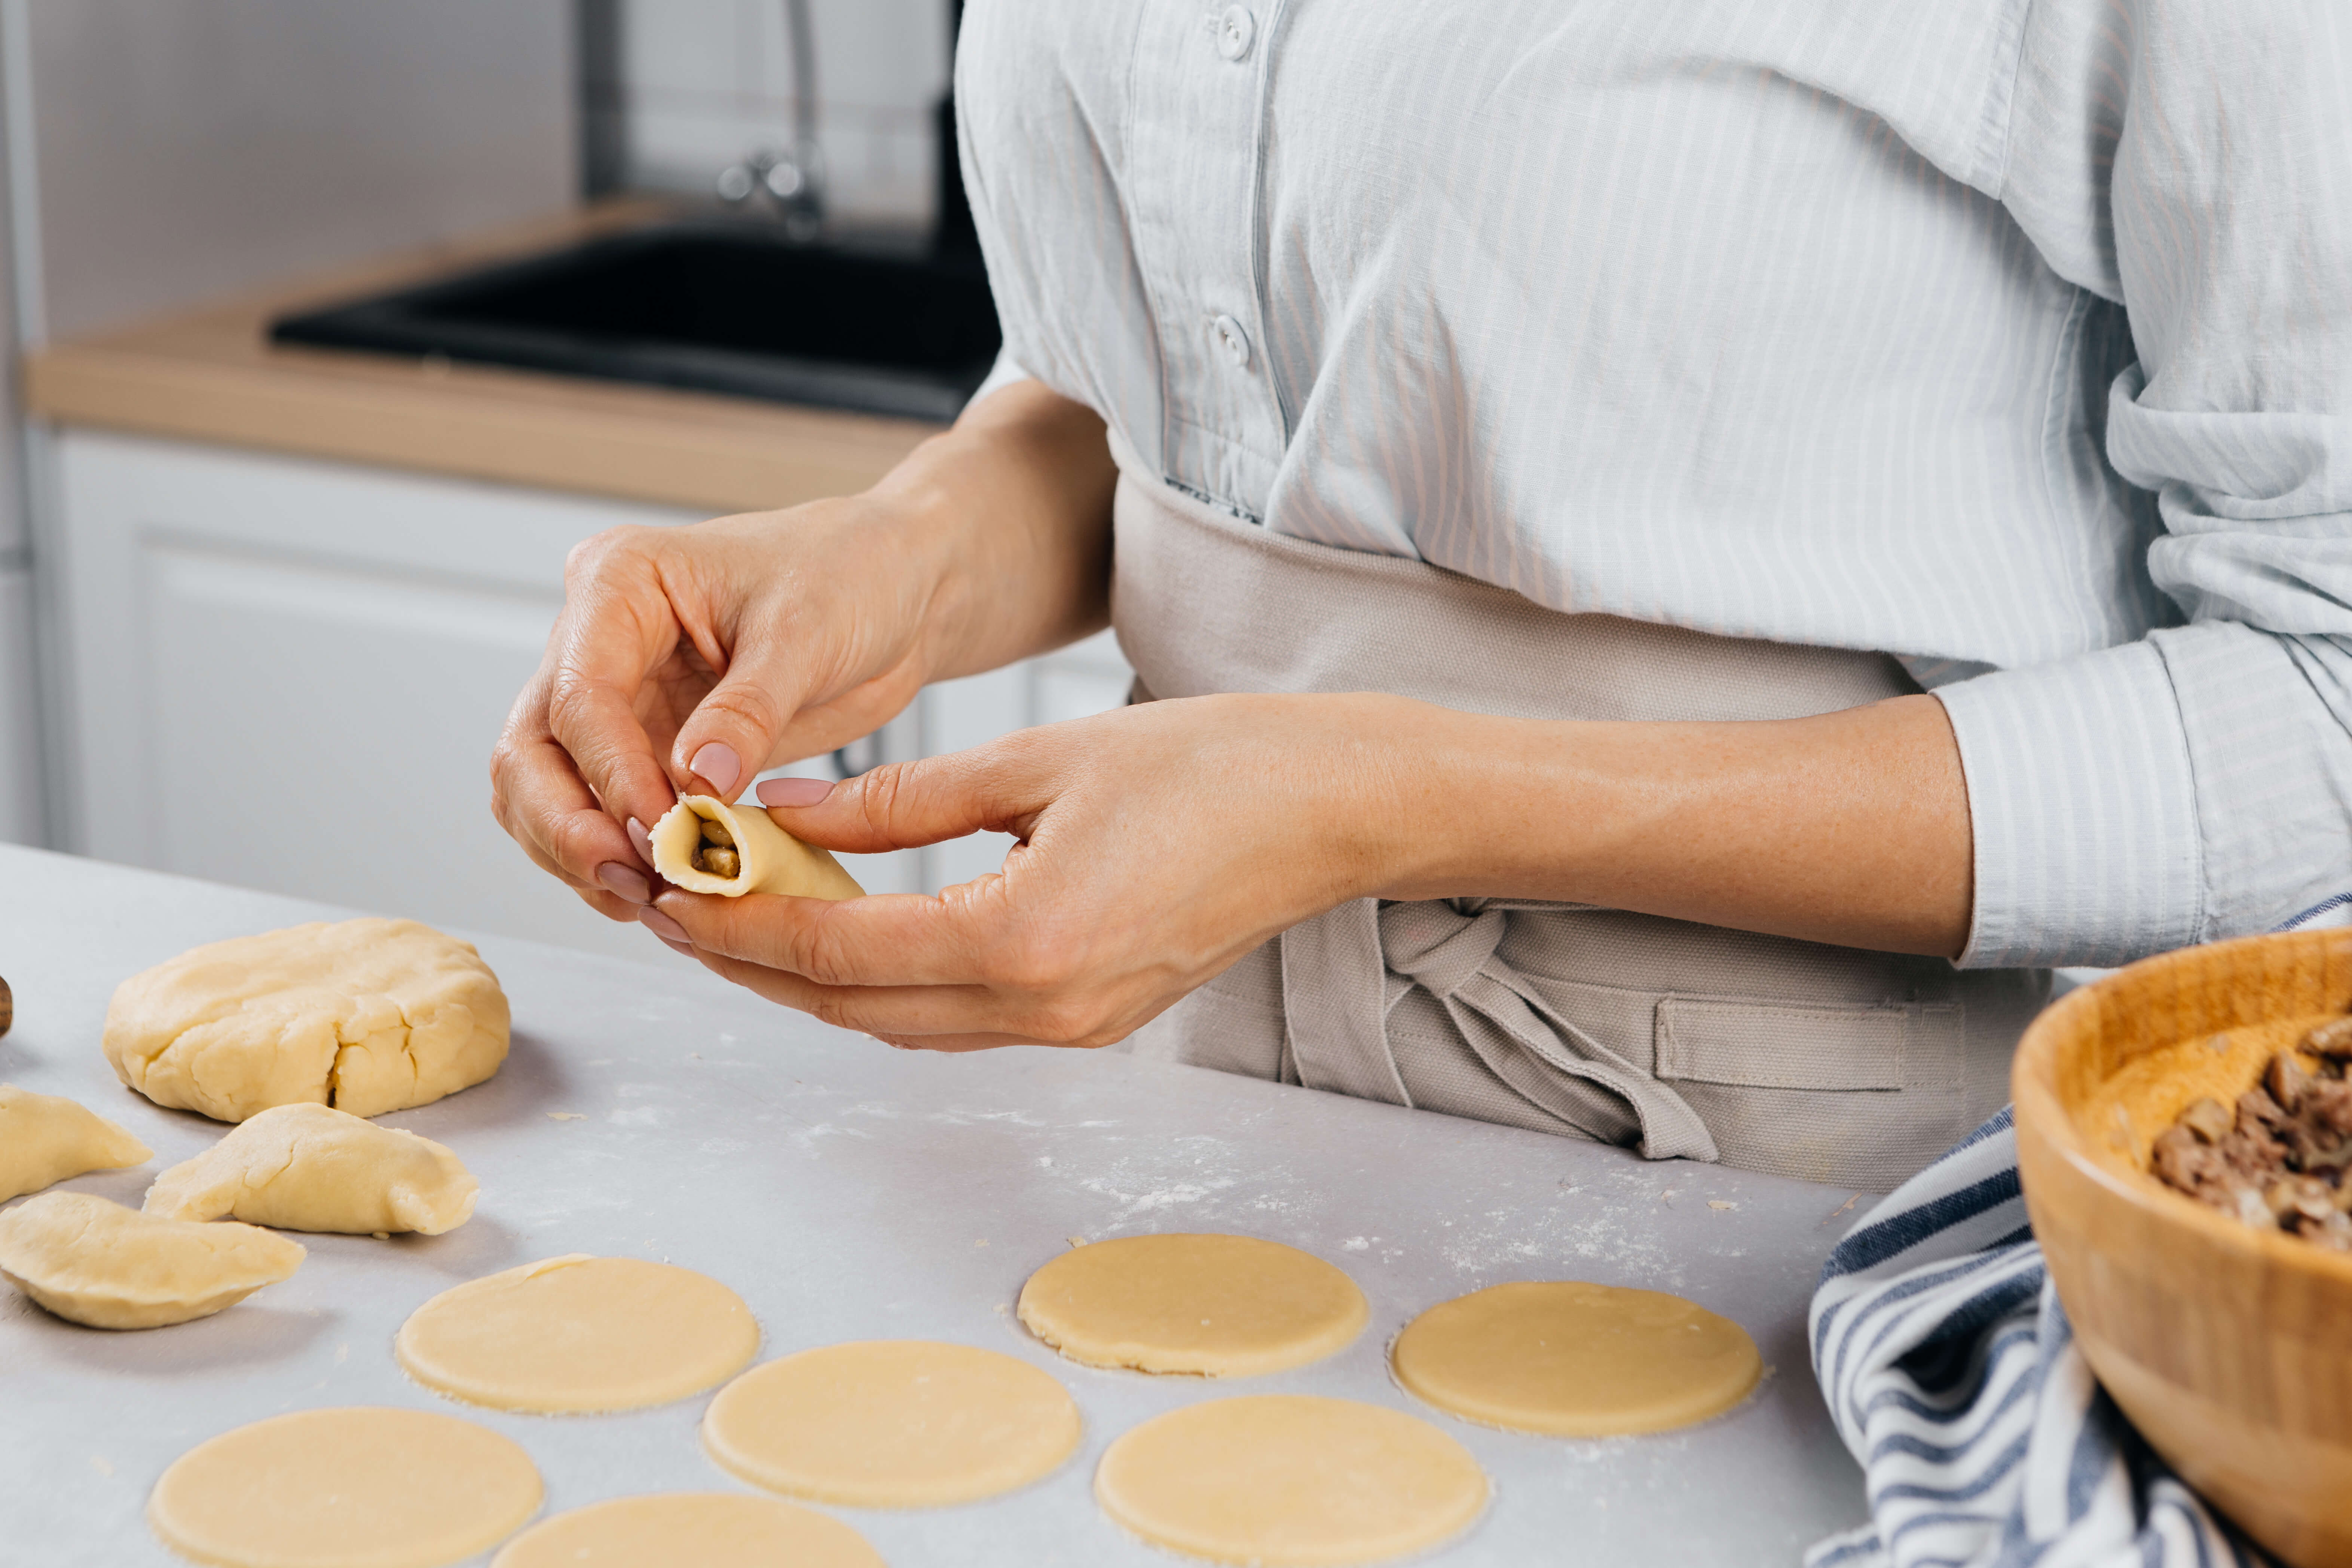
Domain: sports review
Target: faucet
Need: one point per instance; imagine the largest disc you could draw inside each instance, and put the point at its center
(794, 179)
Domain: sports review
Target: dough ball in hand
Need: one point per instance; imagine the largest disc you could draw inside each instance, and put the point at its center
(45, 1137)
(367, 1015)
(313, 1167)
(705, 845)
(97, 1263)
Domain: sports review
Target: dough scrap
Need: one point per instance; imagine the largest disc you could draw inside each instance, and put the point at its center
(46, 1138)
(892, 1424)
(773, 861)
(313, 1167)
(1218, 1306)
(1290, 1480)
(95, 1262)
(577, 1333)
(356, 1487)
(367, 1015)
(708, 1529)
(1575, 1360)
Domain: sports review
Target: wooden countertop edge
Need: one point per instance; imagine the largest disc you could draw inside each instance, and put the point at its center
(213, 377)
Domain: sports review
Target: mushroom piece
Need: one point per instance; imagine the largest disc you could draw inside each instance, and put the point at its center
(716, 853)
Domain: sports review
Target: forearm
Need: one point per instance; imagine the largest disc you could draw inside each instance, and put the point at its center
(1851, 827)
(1008, 517)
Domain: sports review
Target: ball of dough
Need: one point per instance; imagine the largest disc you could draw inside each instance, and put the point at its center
(707, 1530)
(97, 1263)
(45, 1137)
(1217, 1306)
(1290, 1480)
(366, 1015)
(766, 858)
(892, 1424)
(352, 1488)
(313, 1167)
(578, 1333)
(1576, 1359)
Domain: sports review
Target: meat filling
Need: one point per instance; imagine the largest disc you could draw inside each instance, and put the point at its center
(2280, 1160)
(716, 853)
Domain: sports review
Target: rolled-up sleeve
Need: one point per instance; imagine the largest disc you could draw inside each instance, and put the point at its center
(2198, 783)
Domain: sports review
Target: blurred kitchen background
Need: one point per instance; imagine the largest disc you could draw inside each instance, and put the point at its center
(264, 603)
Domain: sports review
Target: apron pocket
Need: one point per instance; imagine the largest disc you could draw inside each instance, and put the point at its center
(1756, 1043)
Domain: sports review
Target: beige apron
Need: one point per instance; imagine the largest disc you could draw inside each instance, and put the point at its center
(1828, 1063)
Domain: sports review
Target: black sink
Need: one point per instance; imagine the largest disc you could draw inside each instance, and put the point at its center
(717, 306)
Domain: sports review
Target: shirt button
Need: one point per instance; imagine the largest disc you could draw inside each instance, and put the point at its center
(1233, 339)
(1236, 30)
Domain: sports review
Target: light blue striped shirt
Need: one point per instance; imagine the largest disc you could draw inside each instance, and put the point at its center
(2011, 337)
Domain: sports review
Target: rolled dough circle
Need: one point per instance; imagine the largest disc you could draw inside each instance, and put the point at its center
(892, 1424)
(1290, 1480)
(1576, 1359)
(352, 1488)
(708, 1530)
(1221, 1306)
(579, 1333)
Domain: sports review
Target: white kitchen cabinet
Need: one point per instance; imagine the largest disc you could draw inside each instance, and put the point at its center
(289, 674)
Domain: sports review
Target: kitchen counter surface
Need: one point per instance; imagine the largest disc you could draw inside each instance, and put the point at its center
(212, 376)
(848, 1191)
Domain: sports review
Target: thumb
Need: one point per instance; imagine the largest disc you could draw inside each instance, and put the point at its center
(901, 805)
(733, 730)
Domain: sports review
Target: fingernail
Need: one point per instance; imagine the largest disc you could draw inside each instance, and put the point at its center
(686, 948)
(718, 762)
(642, 841)
(624, 881)
(793, 792)
(662, 926)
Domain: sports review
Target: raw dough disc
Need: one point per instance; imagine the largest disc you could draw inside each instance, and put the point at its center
(708, 1529)
(1221, 1306)
(892, 1424)
(1290, 1480)
(579, 1333)
(355, 1488)
(1576, 1360)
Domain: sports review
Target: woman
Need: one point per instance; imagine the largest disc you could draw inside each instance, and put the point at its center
(1650, 531)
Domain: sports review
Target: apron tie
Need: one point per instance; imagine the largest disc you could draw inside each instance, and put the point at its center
(1344, 972)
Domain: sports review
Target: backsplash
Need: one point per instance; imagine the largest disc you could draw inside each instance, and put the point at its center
(702, 84)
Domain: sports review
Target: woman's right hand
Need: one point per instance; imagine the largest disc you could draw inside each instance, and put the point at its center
(687, 660)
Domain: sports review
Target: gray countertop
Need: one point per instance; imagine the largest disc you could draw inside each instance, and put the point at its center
(852, 1192)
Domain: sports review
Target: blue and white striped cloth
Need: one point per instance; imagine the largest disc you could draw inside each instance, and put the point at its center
(1952, 1375)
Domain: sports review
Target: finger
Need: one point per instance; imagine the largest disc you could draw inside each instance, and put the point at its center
(886, 939)
(733, 730)
(943, 1011)
(617, 627)
(544, 806)
(902, 805)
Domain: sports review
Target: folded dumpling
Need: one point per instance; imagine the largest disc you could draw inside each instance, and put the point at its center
(97, 1263)
(313, 1167)
(705, 845)
(45, 1137)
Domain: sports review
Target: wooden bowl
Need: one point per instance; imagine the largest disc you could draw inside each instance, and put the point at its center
(2229, 1347)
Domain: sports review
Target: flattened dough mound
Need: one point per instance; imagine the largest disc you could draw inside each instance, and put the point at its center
(99, 1264)
(708, 1529)
(366, 1015)
(1220, 1306)
(773, 861)
(578, 1333)
(892, 1424)
(1576, 1360)
(313, 1167)
(352, 1488)
(1290, 1480)
(46, 1138)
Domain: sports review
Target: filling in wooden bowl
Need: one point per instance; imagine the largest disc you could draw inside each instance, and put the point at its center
(2281, 1159)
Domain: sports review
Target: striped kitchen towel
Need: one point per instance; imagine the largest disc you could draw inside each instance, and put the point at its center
(1953, 1376)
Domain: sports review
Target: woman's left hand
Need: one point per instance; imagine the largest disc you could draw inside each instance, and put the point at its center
(1155, 844)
